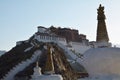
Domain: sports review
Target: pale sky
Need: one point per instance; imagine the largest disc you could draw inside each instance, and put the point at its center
(19, 18)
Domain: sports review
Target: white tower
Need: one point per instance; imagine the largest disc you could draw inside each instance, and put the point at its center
(37, 72)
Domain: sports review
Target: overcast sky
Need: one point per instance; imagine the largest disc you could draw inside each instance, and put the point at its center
(19, 18)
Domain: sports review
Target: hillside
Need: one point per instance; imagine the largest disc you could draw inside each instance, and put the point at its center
(19, 62)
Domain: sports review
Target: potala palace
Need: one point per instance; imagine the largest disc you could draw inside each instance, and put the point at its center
(63, 54)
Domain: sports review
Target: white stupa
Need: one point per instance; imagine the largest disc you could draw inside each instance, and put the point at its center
(102, 62)
(38, 76)
(37, 72)
(49, 70)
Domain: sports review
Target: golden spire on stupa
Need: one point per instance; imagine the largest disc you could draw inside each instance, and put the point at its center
(102, 34)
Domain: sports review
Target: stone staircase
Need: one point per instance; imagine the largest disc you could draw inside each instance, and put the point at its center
(10, 75)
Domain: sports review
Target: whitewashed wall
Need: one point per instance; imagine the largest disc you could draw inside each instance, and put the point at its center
(79, 47)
